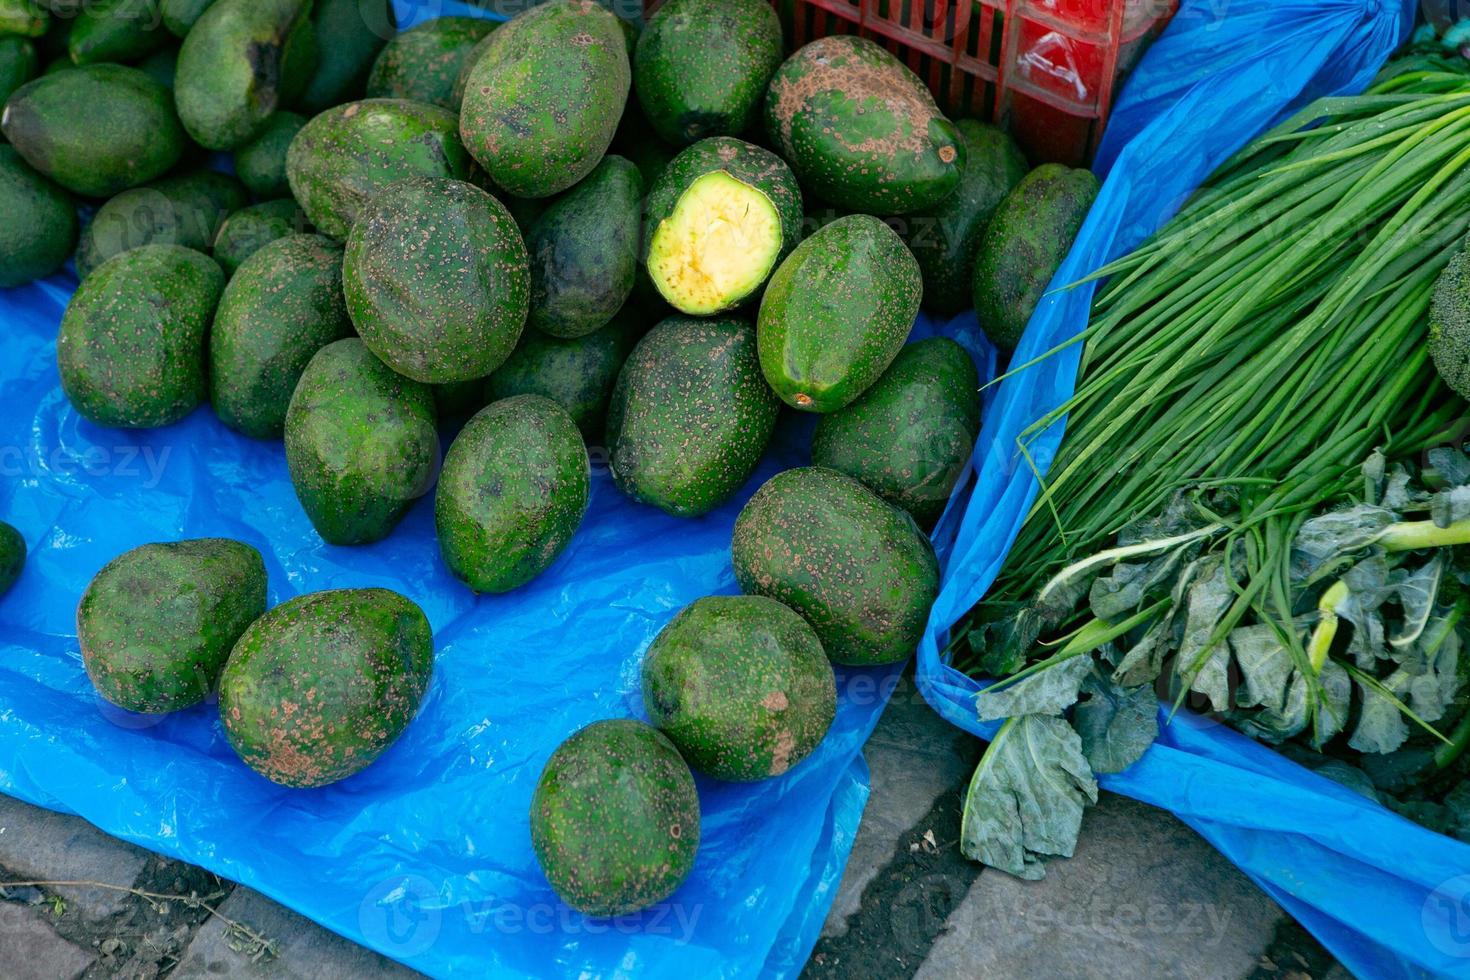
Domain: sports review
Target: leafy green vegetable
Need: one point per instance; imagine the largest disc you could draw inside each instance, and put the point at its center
(1116, 724)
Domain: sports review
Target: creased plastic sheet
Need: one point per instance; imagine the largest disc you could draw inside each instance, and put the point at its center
(1388, 897)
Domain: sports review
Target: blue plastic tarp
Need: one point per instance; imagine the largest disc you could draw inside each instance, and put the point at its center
(1388, 897)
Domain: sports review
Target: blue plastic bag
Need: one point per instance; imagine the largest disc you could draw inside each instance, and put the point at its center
(1388, 897)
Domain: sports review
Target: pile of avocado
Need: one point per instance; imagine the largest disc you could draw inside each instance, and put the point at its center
(571, 232)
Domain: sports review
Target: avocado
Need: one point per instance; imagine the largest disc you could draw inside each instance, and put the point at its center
(462, 81)
(243, 60)
(584, 251)
(156, 625)
(116, 30)
(320, 687)
(19, 63)
(131, 346)
(180, 16)
(182, 210)
(23, 17)
(346, 155)
(283, 306)
(945, 238)
(40, 226)
(741, 686)
(1025, 244)
(12, 556)
(261, 163)
(543, 101)
(437, 280)
(910, 436)
(250, 229)
(163, 67)
(351, 34)
(702, 66)
(577, 374)
(690, 417)
(860, 129)
(423, 63)
(722, 215)
(95, 129)
(837, 312)
(855, 567)
(361, 443)
(615, 818)
(513, 492)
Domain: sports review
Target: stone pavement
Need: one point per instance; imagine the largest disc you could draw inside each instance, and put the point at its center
(1143, 897)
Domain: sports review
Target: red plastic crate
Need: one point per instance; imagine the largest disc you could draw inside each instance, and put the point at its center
(1047, 68)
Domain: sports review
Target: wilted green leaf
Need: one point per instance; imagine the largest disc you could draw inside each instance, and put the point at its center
(1050, 691)
(1417, 591)
(1143, 663)
(1341, 532)
(1381, 725)
(1026, 798)
(1203, 665)
(1452, 465)
(1432, 690)
(1449, 506)
(1265, 666)
(1116, 724)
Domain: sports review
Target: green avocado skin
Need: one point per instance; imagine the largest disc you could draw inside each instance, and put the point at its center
(837, 312)
(116, 30)
(741, 686)
(250, 229)
(543, 101)
(351, 35)
(180, 16)
(853, 566)
(132, 340)
(320, 687)
(12, 556)
(95, 129)
(690, 416)
(361, 443)
(158, 622)
(1025, 244)
(910, 436)
(437, 280)
(243, 60)
(702, 66)
(19, 63)
(746, 162)
(945, 239)
(347, 155)
(24, 18)
(615, 818)
(578, 374)
(183, 210)
(514, 490)
(860, 129)
(261, 163)
(423, 63)
(40, 226)
(584, 251)
(283, 306)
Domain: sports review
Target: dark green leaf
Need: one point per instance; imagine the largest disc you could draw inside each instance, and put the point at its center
(1049, 691)
(1116, 724)
(1381, 725)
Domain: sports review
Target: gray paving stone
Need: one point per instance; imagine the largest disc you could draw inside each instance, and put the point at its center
(914, 757)
(1144, 896)
(304, 950)
(30, 949)
(44, 845)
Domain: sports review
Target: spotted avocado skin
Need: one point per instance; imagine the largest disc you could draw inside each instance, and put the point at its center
(157, 623)
(437, 280)
(741, 685)
(12, 556)
(345, 156)
(184, 209)
(40, 227)
(251, 229)
(131, 349)
(320, 687)
(702, 66)
(690, 416)
(261, 163)
(584, 251)
(283, 306)
(513, 492)
(860, 129)
(837, 312)
(854, 566)
(361, 443)
(423, 63)
(910, 436)
(615, 818)
(542, 103)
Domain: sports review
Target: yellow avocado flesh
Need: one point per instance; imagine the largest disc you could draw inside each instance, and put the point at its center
(718, 246)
